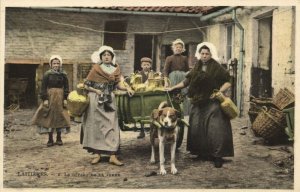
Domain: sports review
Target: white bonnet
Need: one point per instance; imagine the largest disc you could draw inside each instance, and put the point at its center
(96, 55)
(212, 48)
(178, 41)
(55, 57)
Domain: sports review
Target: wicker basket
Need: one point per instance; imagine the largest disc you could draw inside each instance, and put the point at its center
(256, 105)
(284, 98)
(269, 124)
(262, 101)
(278, 116)
(76, 106)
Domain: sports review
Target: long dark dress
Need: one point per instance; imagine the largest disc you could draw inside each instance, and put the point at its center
(210, 132)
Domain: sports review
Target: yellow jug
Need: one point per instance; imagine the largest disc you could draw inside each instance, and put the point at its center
(227, 106)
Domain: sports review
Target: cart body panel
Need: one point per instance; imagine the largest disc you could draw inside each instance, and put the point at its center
(139, 107)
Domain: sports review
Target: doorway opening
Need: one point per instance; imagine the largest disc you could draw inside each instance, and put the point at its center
(144, 47)
(261, 72)
(20, 85)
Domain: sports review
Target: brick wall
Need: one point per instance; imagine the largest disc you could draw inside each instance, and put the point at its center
(30, 34)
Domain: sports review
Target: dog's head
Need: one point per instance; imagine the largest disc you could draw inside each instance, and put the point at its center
(167, 117)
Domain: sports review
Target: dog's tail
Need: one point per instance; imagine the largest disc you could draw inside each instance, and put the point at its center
(163, 104)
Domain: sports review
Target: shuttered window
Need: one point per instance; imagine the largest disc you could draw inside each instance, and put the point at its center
(115, 40)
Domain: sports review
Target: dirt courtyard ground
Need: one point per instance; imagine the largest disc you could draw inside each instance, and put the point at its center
(29, 163)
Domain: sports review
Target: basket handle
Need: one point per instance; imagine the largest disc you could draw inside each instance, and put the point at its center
(252, 103)
(265, 110)
(252, 97)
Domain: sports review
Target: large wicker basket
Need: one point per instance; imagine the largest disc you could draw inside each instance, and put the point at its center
(77, 104)
(256, 105)
(269, 124)
(284, 98)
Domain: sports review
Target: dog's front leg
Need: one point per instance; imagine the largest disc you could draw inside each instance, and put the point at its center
(152, 140)
(173, 150)
(162, 155)
(152, 160)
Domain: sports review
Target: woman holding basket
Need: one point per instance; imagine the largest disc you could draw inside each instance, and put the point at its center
(100, 129)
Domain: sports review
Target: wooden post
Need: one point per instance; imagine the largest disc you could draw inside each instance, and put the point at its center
(75, 72)
(38, 80)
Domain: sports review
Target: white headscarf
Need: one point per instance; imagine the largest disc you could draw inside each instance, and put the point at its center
(212, 48)
(178, 41)
(55, 57)
(96, 55)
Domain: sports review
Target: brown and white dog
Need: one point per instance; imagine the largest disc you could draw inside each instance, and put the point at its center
(164, 127)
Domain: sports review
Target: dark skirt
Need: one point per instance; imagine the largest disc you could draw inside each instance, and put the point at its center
(210, 132)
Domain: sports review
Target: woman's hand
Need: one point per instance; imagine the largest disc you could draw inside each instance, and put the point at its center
(166, 85)
(65, 103)
(130, 91)
(169, 88)
(46, 103)
(178, 86)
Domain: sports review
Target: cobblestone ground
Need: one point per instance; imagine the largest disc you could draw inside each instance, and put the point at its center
(28, 163)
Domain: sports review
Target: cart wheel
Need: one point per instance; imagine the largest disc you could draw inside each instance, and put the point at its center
(180, 135)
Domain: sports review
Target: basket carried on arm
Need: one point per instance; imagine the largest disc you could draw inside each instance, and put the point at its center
(269, 124)
(78, 101)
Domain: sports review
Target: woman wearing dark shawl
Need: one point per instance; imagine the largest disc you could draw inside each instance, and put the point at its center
(210, 133)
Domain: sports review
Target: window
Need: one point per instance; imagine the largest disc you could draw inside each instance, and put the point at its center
(229, 40)
(115, 40)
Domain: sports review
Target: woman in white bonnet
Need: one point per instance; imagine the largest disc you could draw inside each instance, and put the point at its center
(176, 65)
(52, 114)
(100, 133)
(210, 133)
(175, 68)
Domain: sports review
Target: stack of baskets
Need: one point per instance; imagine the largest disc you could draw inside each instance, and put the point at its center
(270, 121)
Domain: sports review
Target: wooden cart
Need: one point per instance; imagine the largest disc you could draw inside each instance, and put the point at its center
(138, 108)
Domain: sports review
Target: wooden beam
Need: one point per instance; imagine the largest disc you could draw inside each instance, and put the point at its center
(22, 61)
(43, 61)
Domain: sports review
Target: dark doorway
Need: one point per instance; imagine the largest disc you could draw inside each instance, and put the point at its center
(20, 85)
(261, 73)
(144, 47)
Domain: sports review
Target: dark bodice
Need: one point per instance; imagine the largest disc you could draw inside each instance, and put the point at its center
(54, 80)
